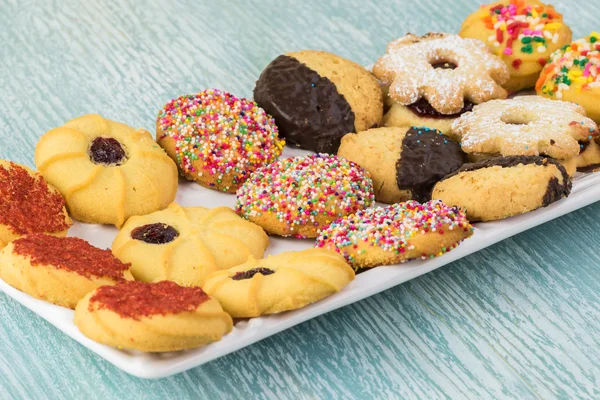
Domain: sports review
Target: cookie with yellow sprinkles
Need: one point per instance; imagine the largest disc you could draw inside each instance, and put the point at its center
(217, 139)
(397, 233)
(523, 33)
(299, 196)
(573, 74)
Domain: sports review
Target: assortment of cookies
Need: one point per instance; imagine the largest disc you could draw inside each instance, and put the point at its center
(430, 131)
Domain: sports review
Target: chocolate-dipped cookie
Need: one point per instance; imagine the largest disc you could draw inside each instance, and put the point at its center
(317, 97)
(404, 163)
(502, 187)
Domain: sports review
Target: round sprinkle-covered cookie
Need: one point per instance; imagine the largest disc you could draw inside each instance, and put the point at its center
(185, 244)
(279, 283)
(28, 204)
(301, 195)
(525, 125)
(217, 139)
(573, 74)
(106, 171)
(58, 269)
(522, 33)
(152, 317)
(435, 78)
(318, 97)
(403, 163)
(397, 233)
(501, 187)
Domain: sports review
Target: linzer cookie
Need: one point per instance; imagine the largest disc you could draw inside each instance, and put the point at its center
(299, 196)
(185, 244)
(397, 233)
(28, 204)
(525, 125)
(279, 283)
(106, 170)
(435, 78)
(403, 164)
(523, 33)
(573, 74)
(502, 187)
(58, 269)
(152, 317)
(216, 138)
(318, 97)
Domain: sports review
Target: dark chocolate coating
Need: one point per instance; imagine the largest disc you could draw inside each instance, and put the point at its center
(423, 109)
(589, 168)
(555, 190)
(308, 109)
(426, 157)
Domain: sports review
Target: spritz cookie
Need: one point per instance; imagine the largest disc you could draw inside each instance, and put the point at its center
(318, 97)
(299, 196)
(58, 269)
(186, 244)
(523, 33)
(151, 317)
(435, 78)
(397, 233)
(279, 283)
(28, 204)
(217, 139)
(106, 170)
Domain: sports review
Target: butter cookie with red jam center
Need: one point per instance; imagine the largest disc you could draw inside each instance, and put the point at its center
(279, 283)
(151, 317)
(58, 269)
(217, 139)
(106, 171)
(29, 205)
(298, 196)
(433, 79)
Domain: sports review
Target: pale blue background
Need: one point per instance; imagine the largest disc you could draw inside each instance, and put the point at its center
(518, 320)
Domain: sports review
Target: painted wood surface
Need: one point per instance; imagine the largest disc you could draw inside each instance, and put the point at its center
(518, 320)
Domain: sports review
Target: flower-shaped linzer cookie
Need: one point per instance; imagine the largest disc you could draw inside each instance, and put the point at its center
(444, 69)
(527, 125)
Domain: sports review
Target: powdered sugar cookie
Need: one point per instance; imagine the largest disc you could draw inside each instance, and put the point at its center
(527, 125)
(440, 74)
(397, 233)
(299, 196)
(573, 74)
(522, 33)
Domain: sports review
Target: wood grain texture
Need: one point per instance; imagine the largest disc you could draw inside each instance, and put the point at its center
(518, 320)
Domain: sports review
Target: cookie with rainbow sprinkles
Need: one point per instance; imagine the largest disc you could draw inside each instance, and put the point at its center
(573, 74)
(216, 138)
(397, 233)
(299, 196)
(523, 33)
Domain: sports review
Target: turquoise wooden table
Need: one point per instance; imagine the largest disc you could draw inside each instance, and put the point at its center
(518, 320)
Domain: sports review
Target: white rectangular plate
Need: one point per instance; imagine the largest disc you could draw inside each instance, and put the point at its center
(586, 190)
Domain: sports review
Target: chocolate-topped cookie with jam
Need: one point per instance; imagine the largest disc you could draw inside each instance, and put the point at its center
(151, 317)
(106, 171)
(186, 244)
(60, 270)
(433, 79)
(28, 204)
(404, 163)
(318, 97)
